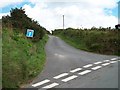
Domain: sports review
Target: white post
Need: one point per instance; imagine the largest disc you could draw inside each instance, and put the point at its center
(63, 22)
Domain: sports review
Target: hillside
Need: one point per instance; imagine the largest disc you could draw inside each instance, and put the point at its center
(97, 40)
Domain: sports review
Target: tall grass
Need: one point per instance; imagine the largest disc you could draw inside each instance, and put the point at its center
(22, 59)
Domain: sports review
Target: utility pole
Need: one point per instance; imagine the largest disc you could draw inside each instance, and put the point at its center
(63, 22)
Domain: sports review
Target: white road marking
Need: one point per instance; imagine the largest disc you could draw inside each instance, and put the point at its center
(114, 58)
(84, 72)
(59, 55)
(61, 75)
(40, 83)
(105, 64)
(106, 60)
(75, 70)
(51, 85)
(113, 61)
(86, 66)
(69, 78)
(97, 67)
(97, 62)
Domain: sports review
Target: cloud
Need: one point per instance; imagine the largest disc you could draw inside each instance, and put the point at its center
(5, 3)
(85, 13)
(80, 13)
(4, 14)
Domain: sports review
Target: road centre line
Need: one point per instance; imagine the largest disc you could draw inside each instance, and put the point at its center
(51, 85)
(61, 75)
(106, 60)
(86, 66)
(114, 58)
(41, 83)
(97, 67)
(97, 62)
(84, 72)
(113, 61)
(105, 64)
(69, 78)
(75, 70)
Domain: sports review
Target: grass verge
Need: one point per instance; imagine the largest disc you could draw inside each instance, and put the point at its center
(103, 42)
(22, 59)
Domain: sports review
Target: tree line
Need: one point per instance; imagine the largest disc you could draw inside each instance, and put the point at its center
(19, 20)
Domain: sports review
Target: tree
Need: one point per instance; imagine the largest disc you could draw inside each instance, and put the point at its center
(18, 19)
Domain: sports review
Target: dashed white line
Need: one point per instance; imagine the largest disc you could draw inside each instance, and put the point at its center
(106, 60)
(114, 58)
(86, 66)
(84, 72)
(97, 67)
(61, 75)
(40, 83)
(97, 62)
(75, 70)
(51, 85)
(113, 61)
(105, 64)
(69, 78)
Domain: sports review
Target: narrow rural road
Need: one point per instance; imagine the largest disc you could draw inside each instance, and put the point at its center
(67, 67)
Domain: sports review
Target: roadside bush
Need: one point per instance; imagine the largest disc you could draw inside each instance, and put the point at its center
(97, 40)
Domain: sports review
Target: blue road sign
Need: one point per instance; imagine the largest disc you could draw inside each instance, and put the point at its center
(30, 33)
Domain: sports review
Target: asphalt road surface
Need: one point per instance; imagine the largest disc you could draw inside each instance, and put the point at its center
(67, 67)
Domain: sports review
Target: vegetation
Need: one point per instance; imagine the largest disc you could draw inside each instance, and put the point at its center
(18, 19)
(0, 63)
(22, 58)
(98, 40)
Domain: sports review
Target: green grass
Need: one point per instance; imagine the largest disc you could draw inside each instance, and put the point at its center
(96, 41)
(22, 60)
(73, 43)
(0, 62)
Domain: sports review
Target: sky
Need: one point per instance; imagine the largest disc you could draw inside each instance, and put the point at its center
(77, 14)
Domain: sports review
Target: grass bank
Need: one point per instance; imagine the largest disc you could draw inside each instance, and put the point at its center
(97, 41)
(22, 59)
(0, 62)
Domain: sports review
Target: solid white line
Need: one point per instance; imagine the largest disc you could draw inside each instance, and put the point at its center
(113, 61)
(84, 72)
(40, 83)
(106, 60)
(51, 85)
(69, 78)
(105, 64)
(97, 62)
(86, 66)
(95, 68)
(75, 70)
(114, 58)
(61, 75)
